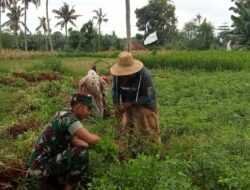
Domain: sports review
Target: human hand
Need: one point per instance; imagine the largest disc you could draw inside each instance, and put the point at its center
(121, 108)
(126, 106)
(117, 110)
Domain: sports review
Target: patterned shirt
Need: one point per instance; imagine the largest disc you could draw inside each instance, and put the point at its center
(56, 137)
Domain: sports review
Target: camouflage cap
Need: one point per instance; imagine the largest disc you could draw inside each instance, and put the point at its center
(82, 98)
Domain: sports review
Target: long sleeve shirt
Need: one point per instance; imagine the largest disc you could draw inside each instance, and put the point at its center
(137, 88)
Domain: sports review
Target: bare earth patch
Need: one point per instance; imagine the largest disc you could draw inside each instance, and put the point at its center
(42, 76)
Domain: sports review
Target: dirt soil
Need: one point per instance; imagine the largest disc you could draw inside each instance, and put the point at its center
(7, 81)
(10, 174)
(42, 76)
(19, 128)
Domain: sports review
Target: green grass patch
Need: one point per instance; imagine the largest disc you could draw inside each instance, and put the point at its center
(207, 60)
(204, 121)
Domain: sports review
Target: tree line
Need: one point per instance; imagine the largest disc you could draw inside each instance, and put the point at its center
(157, 16)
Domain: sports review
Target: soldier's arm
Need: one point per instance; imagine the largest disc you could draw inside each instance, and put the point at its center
(84, 135)
(75, 141)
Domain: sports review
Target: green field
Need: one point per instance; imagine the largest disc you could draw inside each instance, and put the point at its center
(204, 121)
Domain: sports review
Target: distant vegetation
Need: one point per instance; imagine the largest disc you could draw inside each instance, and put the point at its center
(157, 16)
(184, 60)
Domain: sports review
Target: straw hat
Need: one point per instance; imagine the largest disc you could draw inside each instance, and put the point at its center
(126, 65)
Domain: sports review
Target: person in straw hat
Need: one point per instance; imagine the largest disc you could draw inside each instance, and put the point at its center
(134, 98)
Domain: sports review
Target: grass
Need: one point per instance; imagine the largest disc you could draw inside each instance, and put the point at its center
(206, 60)
(204, 121)
(22, 55)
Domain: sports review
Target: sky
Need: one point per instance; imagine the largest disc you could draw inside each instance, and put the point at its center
(215, 11)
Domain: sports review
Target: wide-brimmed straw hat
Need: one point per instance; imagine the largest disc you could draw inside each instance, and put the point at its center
(126, 65)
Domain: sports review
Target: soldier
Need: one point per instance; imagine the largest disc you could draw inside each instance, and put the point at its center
(61, 151)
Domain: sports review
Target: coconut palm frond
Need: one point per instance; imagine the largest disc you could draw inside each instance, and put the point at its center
(66, 15)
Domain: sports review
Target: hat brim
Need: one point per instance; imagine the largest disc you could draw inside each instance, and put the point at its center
(123, 70)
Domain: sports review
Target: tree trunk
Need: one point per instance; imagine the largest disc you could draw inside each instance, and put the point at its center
(1, 39)
(16, 37)
(46, 41)
(49, 31)
(99, 34)
(25, 25)
(66, 31)
(128, 26)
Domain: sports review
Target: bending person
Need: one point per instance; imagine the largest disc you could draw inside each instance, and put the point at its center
(94, 85)
(134, 97)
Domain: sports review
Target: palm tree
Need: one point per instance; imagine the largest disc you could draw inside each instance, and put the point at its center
(128, 24)
(198, 18)
(26, 6)
(48, 27)
(43, 26)
(3, 5)
(100, 17)
(191, 30)
(14, 22)
(66, 15)
(240, 35)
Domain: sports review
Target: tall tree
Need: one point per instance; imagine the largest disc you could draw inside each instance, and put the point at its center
(223, 34)
(3, 5)
(198, 18)
(48, 26)
(128, 26)
(88, 34)
(58, 40)
(43, 26)
(26, 6)
(198, 35)
(205, 35)
(100, 17)
(158, 16)
(14, 22)
(66, 15)
(240, 35)
(74, 39)
(88, 30)
(190, 29)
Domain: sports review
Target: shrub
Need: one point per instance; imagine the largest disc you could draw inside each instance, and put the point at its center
(27, 104)
(145, 173)
(50, 64)
(50, 89)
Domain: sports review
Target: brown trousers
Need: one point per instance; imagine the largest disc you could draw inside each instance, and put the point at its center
(141, 120)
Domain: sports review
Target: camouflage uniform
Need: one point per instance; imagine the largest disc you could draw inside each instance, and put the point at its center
(53, 155)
